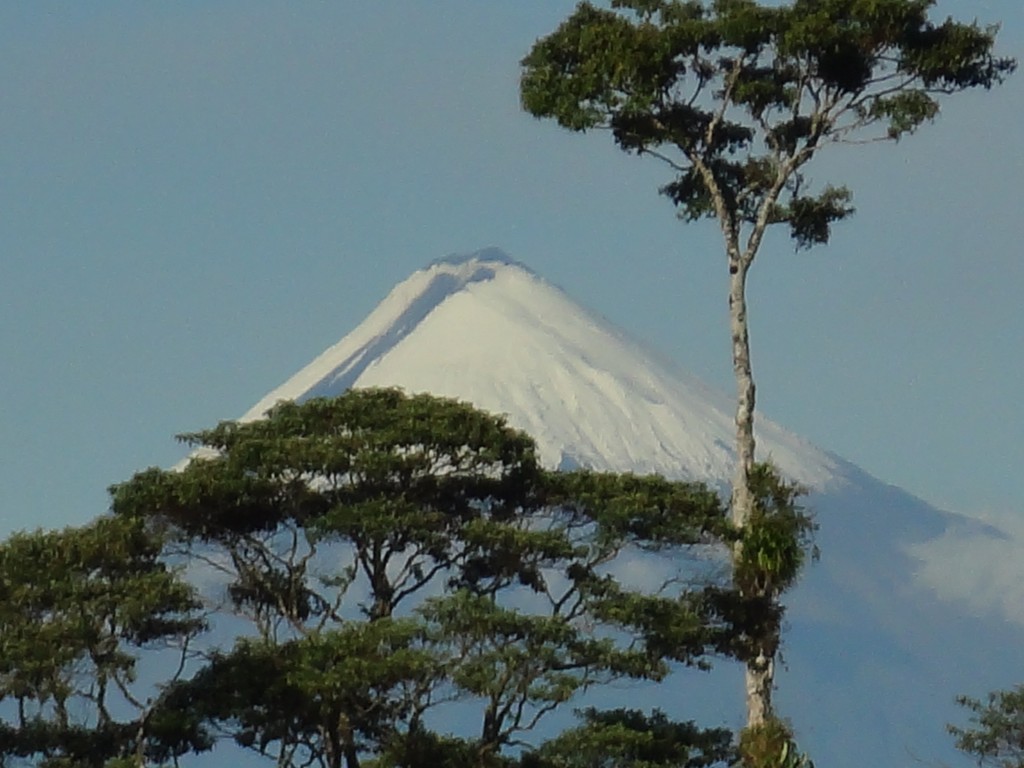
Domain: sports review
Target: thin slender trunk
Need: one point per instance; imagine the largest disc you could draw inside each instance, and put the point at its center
(742, 501)
(760, 671)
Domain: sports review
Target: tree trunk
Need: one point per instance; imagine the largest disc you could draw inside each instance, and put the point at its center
(760, 670)
(760, 679)
(742, 501)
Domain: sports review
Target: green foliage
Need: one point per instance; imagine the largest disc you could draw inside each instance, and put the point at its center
(777, 539)
(738, 96)
(77, 608)
(996, 737)
(771, 745)
(519, 664)
(393, 553)
(351, 681)
(810, 218)
(624, 738)
(769, 553)
(649, 511)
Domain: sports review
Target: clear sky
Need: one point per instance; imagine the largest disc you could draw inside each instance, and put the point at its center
(197, 198)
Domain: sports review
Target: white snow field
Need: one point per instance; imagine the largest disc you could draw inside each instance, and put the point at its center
(873, 656)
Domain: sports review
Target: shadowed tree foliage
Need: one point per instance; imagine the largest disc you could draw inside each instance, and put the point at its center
(996, 735)
(371, 566)
(78, 608)
(632, 739)
(398, 558)
(736, 97)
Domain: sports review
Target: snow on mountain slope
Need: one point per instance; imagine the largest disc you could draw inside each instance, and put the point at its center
(488, 330)
(874, 657)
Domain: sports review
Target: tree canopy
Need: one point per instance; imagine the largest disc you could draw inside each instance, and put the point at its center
(393, 558)
(330, 585)
(996, 735)
(737, 95)
(78, 608)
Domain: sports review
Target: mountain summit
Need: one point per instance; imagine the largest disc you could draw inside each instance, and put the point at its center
(875, 657)
(486, 329)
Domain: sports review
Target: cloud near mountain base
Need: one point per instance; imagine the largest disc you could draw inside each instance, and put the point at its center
(981, 567)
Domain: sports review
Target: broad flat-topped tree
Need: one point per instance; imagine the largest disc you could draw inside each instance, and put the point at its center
(737, 97)
(391, 554)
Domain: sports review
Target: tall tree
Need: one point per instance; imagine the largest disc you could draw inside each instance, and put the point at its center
(394, 554)
(736, 97)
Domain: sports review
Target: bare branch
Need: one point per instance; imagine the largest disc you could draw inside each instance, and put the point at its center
(665, 159)
(726, 100)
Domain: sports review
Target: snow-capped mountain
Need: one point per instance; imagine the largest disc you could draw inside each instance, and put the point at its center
(486, 329)
(874, 657)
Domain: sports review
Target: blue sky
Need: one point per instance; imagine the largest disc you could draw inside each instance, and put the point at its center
(197, 198)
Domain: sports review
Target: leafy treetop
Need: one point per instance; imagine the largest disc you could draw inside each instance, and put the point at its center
(738, 95)
(394, 553)
(996, 735)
